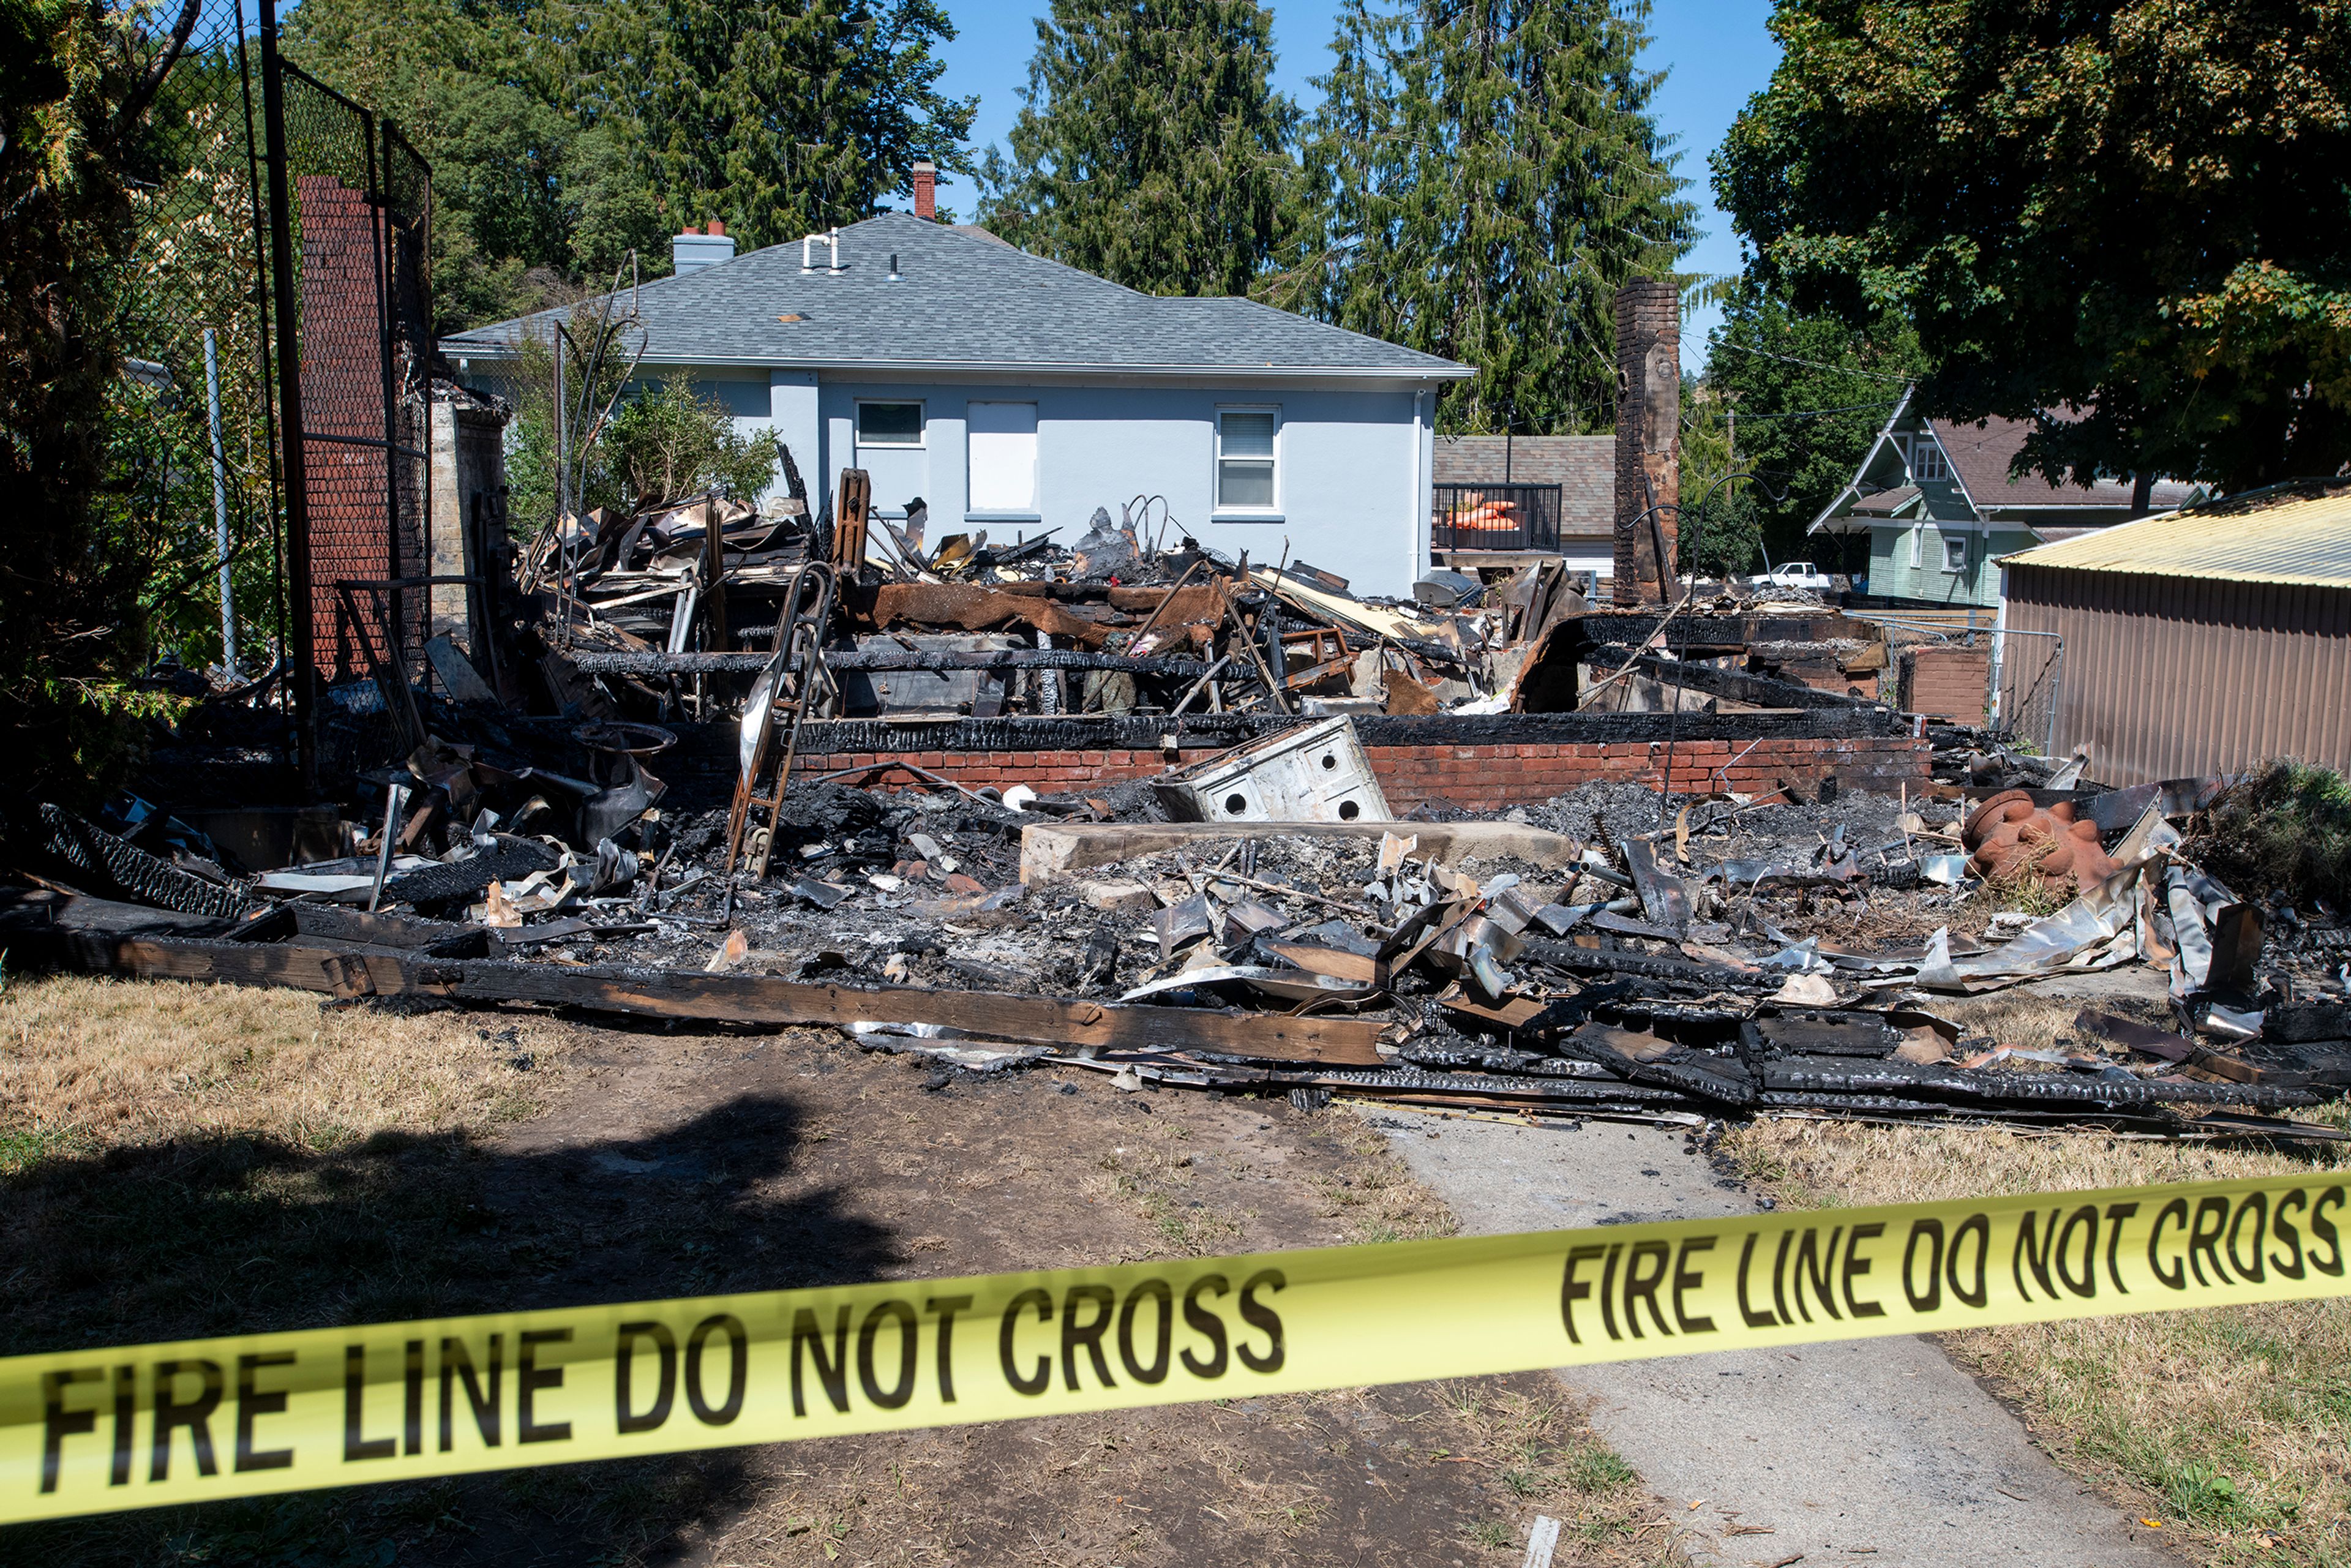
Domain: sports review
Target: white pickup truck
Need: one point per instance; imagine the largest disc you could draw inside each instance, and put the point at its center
(1796, 574)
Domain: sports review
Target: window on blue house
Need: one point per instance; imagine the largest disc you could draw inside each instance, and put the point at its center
(1246, 459)
(1927, 462)
(889, 424)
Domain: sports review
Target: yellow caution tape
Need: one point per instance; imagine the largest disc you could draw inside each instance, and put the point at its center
(95, 1430)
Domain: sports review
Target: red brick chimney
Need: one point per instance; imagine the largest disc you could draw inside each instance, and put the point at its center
(1649, 440)
(926, 191)
(717, 227)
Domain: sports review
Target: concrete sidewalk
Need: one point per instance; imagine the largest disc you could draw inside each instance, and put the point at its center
(1876, 1451)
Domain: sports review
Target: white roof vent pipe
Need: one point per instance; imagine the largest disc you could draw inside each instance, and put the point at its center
(832, 238)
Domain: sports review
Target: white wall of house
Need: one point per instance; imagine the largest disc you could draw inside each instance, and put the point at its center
(1350, 467)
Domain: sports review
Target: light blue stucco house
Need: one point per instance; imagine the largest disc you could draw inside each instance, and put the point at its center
(1013, 393)
(1938, 507)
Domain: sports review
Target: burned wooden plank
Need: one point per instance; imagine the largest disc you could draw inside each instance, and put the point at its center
(346, 971)
(1575, 960)
(761, 998)
(1739, 685)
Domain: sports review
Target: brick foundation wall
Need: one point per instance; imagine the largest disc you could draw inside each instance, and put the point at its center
(1475, 778)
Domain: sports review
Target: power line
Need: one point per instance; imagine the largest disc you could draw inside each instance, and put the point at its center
(1817, 412)
(1810, 365)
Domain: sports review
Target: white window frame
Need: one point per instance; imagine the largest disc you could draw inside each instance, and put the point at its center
(922, 424)
(1917, 539)
(1928, 452)
(1217, 460)
(1955, 543)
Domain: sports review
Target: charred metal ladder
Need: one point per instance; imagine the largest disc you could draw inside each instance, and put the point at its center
(794, 682)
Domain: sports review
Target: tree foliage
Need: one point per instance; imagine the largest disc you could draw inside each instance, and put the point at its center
(561, 139)
(75, 82)
(1151, 148)
(1485, 174)
(670, 443)
(1809, 394)
(2134, 212)
(631, 446)
(781, 117)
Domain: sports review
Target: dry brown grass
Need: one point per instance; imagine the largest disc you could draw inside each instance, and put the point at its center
(1381, 1199)
(89, 1064)
(2231, 1426)
(1443, 1473)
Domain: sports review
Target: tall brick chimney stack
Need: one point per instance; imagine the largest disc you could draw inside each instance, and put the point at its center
(926, 191)
(1649, 440)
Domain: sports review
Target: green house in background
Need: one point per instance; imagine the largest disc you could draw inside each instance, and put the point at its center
(1937, 506)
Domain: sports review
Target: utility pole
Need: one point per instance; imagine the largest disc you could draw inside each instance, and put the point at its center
(302, 654)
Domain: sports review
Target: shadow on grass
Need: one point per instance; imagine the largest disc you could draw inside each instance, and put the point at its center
(236, 1234)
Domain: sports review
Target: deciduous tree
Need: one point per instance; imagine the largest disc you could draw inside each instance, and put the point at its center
(2130, 215)
(1809, 394)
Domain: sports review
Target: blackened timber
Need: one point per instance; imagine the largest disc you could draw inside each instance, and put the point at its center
(663, 664)
(1725, 633)
(347, 971)
(1847, 721)
(1739, 685)
(1843, 1076)
(1575, 960)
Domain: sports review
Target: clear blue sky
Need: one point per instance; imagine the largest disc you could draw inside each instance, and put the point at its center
(1714, 53)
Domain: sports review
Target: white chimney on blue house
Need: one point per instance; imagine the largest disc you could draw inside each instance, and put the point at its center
(691, 250)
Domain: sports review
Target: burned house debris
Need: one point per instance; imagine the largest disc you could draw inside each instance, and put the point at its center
(1113, 800)
(1122, 807)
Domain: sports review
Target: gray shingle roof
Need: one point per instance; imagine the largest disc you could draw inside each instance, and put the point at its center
(965, 302)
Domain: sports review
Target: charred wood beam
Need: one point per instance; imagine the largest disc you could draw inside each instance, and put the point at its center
(1763, 691)
(357, 971)
(1726, 634)
(1215, 731)
(1990, 1090)
(1575, 960)
(662, 664)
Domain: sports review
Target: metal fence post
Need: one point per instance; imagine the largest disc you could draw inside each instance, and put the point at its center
(301, 651)
(2056, 696)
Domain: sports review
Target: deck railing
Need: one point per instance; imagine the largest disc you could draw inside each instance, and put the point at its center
(1495, 518)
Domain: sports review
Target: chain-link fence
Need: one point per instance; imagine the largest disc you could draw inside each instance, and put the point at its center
(2028, 686)
(269, 444)
(188, 438)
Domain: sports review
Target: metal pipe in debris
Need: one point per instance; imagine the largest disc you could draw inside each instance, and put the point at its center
(220, 508)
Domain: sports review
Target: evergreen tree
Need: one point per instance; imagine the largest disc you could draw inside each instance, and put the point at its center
(781, 117)
(1486, 172)
(1152, 149)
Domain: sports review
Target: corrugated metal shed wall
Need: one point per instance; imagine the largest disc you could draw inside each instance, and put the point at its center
(2167, 678)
